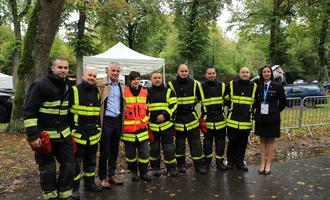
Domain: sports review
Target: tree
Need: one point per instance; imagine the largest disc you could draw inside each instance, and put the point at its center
(43, 26)
(193, 19)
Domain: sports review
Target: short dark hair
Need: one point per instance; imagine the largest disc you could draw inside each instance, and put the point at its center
(210, 67)
(132, 75)
(260, 73)
(58, 58)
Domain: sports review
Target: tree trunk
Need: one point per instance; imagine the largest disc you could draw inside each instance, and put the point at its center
(18, 39)
(38, 40)
(322, 42)
(79, 47)
(274, 34)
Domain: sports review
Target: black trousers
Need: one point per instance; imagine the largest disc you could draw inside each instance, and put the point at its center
(109, 145)
(51, 185)
(85, 154)
(164, 139)
(219, 136)
(137, 156)
(237, 144)
(195, 146)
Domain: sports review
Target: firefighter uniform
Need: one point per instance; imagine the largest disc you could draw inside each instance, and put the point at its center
(162, 100)
(46, 109)
(186, 123)
(240, 96)
(212, 93)
(135, 133)
(84, 109)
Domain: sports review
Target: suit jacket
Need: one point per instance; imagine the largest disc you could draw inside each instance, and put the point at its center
(276, 100)
(105, 90)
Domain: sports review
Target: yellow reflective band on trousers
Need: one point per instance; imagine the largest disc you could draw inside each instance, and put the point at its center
(153, 158)
(50, 195)
(170, 161)
(77, 177)
(143, 160)
(197, 157)
(94, 139)
(209, 156)
(219, 157)
(89, 174)
(160, 127)
(30, 122)
(131, 160)
(53, 111)
(65, 194)
(54, 134)
(179, 155)
(131, 137)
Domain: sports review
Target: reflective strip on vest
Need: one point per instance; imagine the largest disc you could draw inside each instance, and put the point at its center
(94, 139)
(54, 134)
(50, 195)
(216, 125)
(30, 122)
(160, 127)
(65, 194)
(189, 126)
(132, 122)
(131, 137)
(55, 103)
(185, 100)
(135, 99)
(240, 100)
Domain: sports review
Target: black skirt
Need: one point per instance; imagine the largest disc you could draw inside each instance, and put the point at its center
(268, 130)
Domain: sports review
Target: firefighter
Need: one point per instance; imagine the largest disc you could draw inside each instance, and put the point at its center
(186, 121)
(162, 104)
(240, 96)
(46, 109)
(213, 121)
(84, 108)
(135, 132)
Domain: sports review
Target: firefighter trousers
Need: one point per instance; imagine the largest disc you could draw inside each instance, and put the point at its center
(137, 156)
(52, 186)
(164, 139)
(237, 144)
(86, 155)
(219, 136)
(195, 146)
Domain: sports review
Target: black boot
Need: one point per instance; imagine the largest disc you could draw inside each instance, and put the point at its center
(156, 172)
(171, 169)
(143, 168)
(90, 185)
(200, 167)
(242, 166)
(181, 163)
(220, 165)
(207, 163)
(230, 165)
(145, 177)
(75, 195)
(135, 177)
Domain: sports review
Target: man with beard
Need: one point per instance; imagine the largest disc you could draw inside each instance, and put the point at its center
(45, 116)
(84, 108)
(213, 121)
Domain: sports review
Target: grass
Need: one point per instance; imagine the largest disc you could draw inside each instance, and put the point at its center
(3, 127)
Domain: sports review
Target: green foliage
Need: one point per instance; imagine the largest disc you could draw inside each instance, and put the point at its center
(7, 46)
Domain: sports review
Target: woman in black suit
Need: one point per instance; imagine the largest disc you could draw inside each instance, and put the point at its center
(271, 101)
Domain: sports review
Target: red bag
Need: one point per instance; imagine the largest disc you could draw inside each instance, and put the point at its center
(151, 136)
(202, 125)
(46, 146)
(74, 145)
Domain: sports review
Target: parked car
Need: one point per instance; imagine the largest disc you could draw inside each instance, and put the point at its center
(6, 104)
(279, 75)
(298, 82)
(302, 91)
(145, 83)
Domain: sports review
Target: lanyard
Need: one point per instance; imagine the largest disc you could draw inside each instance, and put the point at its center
(265, 92)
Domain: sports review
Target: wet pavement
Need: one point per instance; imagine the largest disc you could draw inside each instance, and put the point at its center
(295, 179)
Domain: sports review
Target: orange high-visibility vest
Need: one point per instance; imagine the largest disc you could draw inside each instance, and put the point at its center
(136, 117)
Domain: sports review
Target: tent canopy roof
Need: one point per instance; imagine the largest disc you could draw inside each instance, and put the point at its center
(128, 58)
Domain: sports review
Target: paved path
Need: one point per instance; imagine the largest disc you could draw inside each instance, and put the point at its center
(296, 179)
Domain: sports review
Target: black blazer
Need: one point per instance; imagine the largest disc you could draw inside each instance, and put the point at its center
(276, 100)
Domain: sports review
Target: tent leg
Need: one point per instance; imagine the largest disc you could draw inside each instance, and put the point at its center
(164, 80)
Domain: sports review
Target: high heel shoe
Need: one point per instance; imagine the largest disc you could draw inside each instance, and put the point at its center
(267, 172)
(261, 171)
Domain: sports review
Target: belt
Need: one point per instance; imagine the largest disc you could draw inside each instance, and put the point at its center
(111, 117)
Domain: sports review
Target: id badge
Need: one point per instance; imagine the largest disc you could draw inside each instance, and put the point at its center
(264, 108)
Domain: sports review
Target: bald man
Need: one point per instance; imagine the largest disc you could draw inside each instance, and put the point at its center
(86, 131)
(240, 97)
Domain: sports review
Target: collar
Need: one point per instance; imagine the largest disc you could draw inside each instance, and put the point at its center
(112, 83)
(268, 83)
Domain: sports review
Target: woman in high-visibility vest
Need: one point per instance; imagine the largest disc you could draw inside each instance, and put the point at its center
(135, 133)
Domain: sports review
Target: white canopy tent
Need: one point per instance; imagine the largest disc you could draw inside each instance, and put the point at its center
(129, 59)
(6, 81)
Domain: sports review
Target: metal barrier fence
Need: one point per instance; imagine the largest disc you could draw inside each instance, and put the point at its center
(307, 112)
